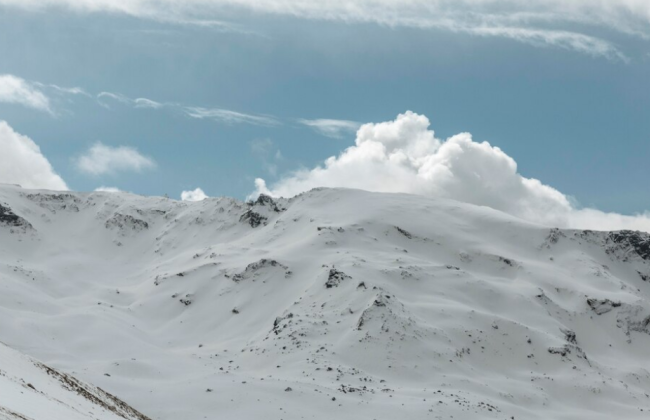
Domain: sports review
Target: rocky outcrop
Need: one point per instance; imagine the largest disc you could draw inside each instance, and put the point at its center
(259, 210)
(629, 243)
(11, 219)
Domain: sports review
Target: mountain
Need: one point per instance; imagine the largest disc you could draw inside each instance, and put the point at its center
(333, 304)
(31, 390)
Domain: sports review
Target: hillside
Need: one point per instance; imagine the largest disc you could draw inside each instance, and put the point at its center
(31, 390)
(332, 304)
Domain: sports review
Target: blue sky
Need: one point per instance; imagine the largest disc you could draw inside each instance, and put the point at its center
(574, 117)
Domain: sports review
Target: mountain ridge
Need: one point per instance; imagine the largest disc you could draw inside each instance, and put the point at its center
(357, 302)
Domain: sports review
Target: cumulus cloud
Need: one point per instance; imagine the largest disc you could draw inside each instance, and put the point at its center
(101, 159)
(405, 156)
(574, 24)
(331, 128)
(193, 195)
(14, 90)
(22, 163)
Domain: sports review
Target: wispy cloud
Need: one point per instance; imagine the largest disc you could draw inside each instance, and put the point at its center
(101, 160)
(65, 90)
(216, 114)
(230, 117)
(137, 102)
(268, 154)
(572, 25)
(14, 90)
(331, 128)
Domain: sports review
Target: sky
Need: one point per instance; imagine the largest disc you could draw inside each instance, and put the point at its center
(202, 98)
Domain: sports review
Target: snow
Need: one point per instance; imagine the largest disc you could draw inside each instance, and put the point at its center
(333, 304)
(32, 390)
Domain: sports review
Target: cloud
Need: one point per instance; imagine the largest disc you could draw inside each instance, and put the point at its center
(101, 159)
(230, 117)
(74, 91)
(108, 189)
(405, 156)
(194, 195)
(559, 23)
(136, 103)
(217, 114)
(22, 163)
(331, 128)
(147, 103)
(14, 90)
(266, 151)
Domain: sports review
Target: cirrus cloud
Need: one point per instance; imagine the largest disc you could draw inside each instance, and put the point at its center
(575, 25)
(331, 128)
(405, 156)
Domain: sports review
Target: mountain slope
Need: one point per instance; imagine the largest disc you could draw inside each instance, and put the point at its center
(31, 390)
(333, 303)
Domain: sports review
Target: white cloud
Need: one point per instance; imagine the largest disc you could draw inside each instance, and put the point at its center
(22, 163)
(560, 23)
(108, 189)
(404, 156)
(331, 128)
(194, 195)
(147, 103)
(75, 91)
(217, 114)
(136, 103)
(15, 90)
(230, 117)
(101, 159)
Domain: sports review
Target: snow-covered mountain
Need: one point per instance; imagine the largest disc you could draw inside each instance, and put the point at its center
(31, 390)
(333, 304)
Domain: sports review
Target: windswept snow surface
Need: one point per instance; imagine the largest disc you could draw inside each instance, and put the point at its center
(31, 390)
(333, 304)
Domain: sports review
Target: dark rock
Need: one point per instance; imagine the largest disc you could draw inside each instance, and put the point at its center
(335, 277)
(254, 219)
(403, 232)
(9, 218)
(602, 306)
(252, 268)
(267, 201)
(125, 222)
(630, 241)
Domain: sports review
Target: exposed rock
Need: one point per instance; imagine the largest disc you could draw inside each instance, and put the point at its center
(629, 243)
(602, 306)
(125, 222)
(54, 202)
(95, 395)
(403, 232)
(255, 215)
(9, 218)
(253, 218)
(265, 200)
(252, 268)
(335, 277)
